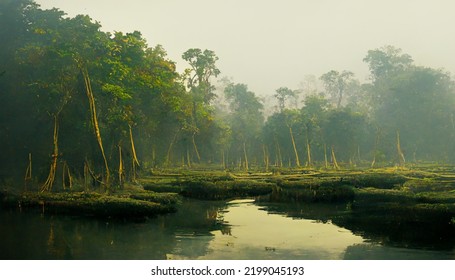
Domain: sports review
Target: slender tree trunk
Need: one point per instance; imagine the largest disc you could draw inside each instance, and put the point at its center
(86, 176)
(334, 160)
(66, 173)
(28, 172)
(297, 160)
(169, 150)
(399, 151)
(246, 156)
(121, 169)
(223, 160)
(96, 127)
(135, 161)
(325, 157)
(47, 186)
(308, 151)
(266, 157)
(195, 148)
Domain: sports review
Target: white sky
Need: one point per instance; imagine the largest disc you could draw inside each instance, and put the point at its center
(267, 44)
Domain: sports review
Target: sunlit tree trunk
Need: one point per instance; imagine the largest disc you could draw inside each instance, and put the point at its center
(91, 99)
(399, 151)
(325, 157)
(308, 151)
(121, 169)
(135, 161)
(297, 160)
(195, 148)
(246, 156)
(47, 186)
(334, 160)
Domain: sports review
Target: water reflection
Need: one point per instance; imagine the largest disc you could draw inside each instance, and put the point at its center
(242, 229)
(256, 234)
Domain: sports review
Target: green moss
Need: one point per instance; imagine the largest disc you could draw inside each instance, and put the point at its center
(91, 204)
(216, 190)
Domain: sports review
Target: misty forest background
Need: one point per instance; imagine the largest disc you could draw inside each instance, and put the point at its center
(77, 100)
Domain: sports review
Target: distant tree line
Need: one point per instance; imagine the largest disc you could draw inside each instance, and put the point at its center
(78, 103)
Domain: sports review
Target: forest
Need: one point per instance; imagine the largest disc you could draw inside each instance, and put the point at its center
(102, 125)
(77, 103)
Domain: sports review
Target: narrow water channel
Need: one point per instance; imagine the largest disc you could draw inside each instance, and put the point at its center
(239, 229)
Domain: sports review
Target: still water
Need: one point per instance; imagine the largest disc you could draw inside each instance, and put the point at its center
(239, 229)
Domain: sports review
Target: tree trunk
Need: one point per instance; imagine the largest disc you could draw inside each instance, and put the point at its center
(325, 157)
(297, 160)
(135, 161)
(195, 148)
(169, 150)
(334, 160)
(121, 169)
(96, 127)
(47, 186)
(246, 157)
(308, 150)
(266, 157)
(223, 160)
(66, 173)
(28, 172)
(399, 151)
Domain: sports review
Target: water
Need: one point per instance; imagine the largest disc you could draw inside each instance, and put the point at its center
(240, 229)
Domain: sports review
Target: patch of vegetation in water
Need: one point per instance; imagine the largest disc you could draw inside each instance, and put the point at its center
(90, 204)
(312, 193)
(217, 190)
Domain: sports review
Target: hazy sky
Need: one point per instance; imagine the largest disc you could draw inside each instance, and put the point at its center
(267, 44)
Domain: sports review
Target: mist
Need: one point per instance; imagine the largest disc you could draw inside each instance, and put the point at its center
(272, 44)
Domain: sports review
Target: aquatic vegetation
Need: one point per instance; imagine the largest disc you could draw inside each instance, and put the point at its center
(90, 204)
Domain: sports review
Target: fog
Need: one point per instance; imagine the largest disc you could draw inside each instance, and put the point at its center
(269, 44)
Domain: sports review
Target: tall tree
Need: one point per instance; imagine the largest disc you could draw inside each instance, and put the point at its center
(336, 83)
(246, 118)
(202, 91)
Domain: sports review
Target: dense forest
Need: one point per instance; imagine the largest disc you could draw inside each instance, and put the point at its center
(78, 102)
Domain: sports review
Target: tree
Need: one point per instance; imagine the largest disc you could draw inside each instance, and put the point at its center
(246, 118)
(283, 94)
(336, 83)
(386, 61)
(312, 118)
(203, 68)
